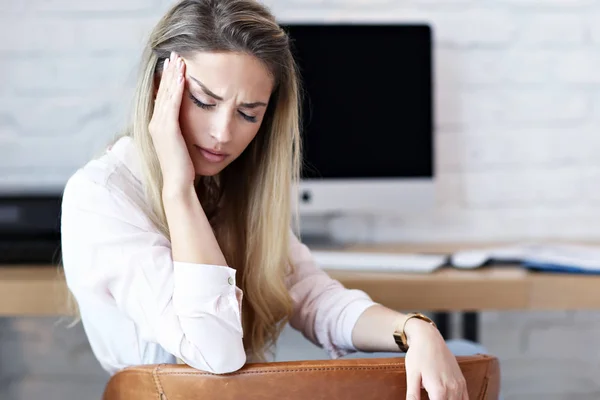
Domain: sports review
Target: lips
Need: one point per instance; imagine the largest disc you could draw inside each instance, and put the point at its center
(210, 155)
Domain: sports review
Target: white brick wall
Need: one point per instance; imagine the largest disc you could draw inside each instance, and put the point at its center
(517, 106)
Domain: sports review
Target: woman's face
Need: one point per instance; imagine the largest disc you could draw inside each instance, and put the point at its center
(224, 102)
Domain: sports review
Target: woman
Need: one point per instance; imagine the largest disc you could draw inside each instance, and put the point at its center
(177, 241)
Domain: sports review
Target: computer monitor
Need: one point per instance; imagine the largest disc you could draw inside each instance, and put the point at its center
(368, 117)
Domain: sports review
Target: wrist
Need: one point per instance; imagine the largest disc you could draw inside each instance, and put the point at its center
(411, 328)
(178, 193)
(417, 328)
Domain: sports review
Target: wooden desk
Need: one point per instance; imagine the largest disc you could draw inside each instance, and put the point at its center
(40, 290)
(32, 291)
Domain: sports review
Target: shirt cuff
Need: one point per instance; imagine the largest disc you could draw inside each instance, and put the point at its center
(351, 315)
(202, 288)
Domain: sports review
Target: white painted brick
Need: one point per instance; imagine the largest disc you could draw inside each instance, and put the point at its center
(474, 27)
(39, 153)
(553, 29)
(593, 24)
(69, 74)
(559, 4)
(533, 66)
(463, 109)
(526, 188)
(34, 180)
(479, 108)
(36, 35)
(14, 8)
(452, 224)
(591, 186)
(441, 4)
(595, 117)
(544, 106)
(456, 68)
(502, 222)
(300, 3)
(579, 67)
(57, 6)
(449, 190)
(54, 119)
(362, 3)
(514, 149)
(56, 36)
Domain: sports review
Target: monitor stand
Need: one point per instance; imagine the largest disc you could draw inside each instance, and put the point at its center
(318, 231)
(325, 241)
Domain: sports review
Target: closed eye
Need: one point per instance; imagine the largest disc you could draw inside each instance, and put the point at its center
(247, 117)
(205, 106)
(201, 104)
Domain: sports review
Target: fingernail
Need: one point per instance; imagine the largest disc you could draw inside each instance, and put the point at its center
(166, 64)
(173, 55)
(180, 63)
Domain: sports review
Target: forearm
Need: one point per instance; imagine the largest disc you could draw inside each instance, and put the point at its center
(374, 329)
(192, 237)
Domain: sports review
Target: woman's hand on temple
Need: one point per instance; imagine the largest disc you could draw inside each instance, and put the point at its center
(173, 155)
(431, 365)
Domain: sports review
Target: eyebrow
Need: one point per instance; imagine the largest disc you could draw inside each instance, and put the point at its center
(214, 96)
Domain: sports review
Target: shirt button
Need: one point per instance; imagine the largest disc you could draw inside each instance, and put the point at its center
(230, 280)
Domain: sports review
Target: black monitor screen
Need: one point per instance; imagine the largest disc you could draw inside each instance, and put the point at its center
(368, 109)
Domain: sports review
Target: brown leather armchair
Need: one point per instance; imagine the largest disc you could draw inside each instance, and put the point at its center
(349, 379)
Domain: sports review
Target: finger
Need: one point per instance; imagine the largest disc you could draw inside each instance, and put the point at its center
(455, 392)
(413, 385)
(165, 65)
(163, 87)
(172, 81)
(178, 83)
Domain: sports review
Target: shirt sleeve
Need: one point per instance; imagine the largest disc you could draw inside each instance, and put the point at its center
(324, 310)
(110, 248)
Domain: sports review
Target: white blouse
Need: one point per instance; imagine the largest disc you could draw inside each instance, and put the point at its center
(138, 306)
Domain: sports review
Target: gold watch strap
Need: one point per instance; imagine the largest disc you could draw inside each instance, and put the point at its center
(400, 334)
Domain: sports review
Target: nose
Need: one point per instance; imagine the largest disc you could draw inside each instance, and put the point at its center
(221, 128)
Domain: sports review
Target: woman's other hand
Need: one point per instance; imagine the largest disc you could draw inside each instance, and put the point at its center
(431, 365)
(173, 155)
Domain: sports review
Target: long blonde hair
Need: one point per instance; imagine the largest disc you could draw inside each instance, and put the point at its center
(250, 203)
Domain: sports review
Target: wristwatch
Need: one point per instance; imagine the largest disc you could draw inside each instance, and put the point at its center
(400, 335)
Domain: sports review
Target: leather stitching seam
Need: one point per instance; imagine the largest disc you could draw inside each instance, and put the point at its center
(156, 380)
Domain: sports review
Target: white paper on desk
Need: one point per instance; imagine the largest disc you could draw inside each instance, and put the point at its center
(579, 256)
(568, 255)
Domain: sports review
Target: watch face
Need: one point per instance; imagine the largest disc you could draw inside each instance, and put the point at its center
(400, 342)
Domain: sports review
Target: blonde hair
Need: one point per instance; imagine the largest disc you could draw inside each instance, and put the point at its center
(250, 202)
